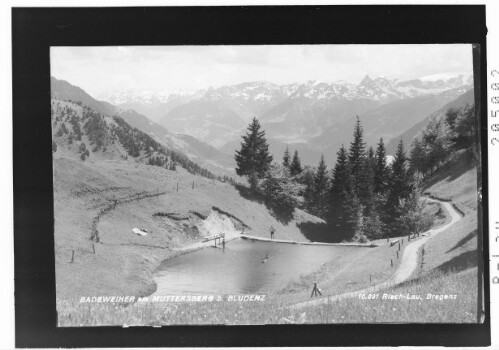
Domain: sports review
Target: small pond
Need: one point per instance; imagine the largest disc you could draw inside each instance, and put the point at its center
(241, 268)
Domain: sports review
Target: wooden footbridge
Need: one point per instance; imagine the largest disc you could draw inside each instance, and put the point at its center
(219, 236)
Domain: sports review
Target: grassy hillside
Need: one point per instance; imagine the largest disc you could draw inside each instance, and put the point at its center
(455, 249)
(199, 152)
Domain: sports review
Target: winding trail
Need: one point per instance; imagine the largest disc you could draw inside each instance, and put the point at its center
(407, 266)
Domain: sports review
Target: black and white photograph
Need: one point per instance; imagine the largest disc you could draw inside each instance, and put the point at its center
(266, 184)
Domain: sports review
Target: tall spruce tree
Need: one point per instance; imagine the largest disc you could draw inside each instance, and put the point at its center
(295, 167)
(400, 176)
(381, 170)
(307, 179)
(360, 167)
(253, 159)
(285, 158)
(356, 159)
(321, 181)
(357, 151)
(367, 187)
(338, 189)
(399, 187)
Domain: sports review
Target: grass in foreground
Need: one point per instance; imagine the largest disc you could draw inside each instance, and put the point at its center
(273, 311)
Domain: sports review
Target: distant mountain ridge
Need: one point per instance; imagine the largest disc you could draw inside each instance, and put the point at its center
(313, 117)
(61, 89)
(297, 113)
(376, 89)
(199, 152)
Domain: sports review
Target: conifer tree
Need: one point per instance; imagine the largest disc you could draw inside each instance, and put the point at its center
(361, 171)
(419, 160)
(295, 167)
(357, 151)
(400, 177)
(253, 159)
(381, 171)
(321, 182)
(285, 158)
(370, 154)
(366, 193)
(353, 214)
(399, 187)
(338, 189)
(307, 179)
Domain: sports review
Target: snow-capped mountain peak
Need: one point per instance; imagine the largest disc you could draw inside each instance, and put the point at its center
(367, 81)
(259, 95)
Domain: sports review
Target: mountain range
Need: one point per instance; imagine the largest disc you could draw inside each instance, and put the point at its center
(312, 117)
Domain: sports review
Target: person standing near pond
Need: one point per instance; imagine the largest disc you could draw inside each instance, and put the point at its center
(272, 230)
(315, 291)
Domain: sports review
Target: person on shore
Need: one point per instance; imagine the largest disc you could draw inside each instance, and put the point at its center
(315, 290)
(272, 231)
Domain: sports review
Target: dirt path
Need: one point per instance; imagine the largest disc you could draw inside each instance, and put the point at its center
(406, 268)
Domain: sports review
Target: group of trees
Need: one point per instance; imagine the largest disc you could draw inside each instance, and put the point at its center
(279, 183)
(367, 193)
(101, 134)
(138, 143)
(455, 130)
(363, 197)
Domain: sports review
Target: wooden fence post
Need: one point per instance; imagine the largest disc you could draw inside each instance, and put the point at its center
(397, 255)
(93, 247)
(177, 186)
(370, 280)
(391, 262)
(73, 256)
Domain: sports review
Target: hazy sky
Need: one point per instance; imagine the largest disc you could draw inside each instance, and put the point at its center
(164, 68)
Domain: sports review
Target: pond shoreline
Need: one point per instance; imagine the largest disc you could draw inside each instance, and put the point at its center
(261, 239)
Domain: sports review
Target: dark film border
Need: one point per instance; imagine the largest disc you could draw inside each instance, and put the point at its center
(36, 29)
